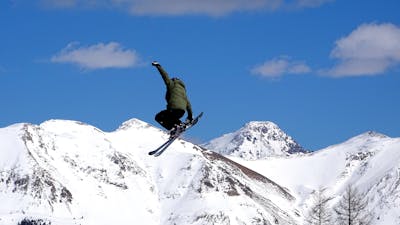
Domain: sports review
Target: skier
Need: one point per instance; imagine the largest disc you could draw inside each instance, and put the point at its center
(177, 102)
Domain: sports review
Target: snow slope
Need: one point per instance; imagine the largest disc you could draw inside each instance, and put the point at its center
(256, 140)
(370, 162)
(66, 172)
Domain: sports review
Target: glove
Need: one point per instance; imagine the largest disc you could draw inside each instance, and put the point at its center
(155, 63)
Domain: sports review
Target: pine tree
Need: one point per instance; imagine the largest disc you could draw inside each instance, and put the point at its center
(352, 208)
(319, 213)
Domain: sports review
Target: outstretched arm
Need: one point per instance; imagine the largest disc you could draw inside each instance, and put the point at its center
(163, 73)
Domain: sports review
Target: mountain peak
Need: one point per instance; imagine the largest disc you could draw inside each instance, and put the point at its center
(366, 138)
(261, 126)
(372, 134)
(133, 123)
(256, 140)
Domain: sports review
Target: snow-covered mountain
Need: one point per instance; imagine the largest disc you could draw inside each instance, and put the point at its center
(370, 162)
(66, 172)
(256, 140)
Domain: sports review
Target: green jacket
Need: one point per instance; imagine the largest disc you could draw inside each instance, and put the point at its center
(176, 93)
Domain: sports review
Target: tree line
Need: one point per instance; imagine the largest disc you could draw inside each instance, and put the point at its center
(352, 209)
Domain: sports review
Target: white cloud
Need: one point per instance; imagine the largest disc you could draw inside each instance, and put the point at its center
(184, 7)
(371, 49)
(280, 66)
(311, 3)
(208, 7)
(98, 56)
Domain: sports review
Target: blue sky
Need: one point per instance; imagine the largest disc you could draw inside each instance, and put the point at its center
(323, 70)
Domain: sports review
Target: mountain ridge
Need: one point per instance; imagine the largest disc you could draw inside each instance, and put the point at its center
(369, 161)
(69, 172)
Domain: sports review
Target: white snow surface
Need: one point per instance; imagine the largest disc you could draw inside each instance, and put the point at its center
(67, 172)
(370, 162)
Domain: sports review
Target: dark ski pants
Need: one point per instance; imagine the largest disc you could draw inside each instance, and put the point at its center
(169, 117)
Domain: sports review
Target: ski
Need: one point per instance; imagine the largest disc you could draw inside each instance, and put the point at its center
(168, 142)
(165, 146)
(172, 138)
